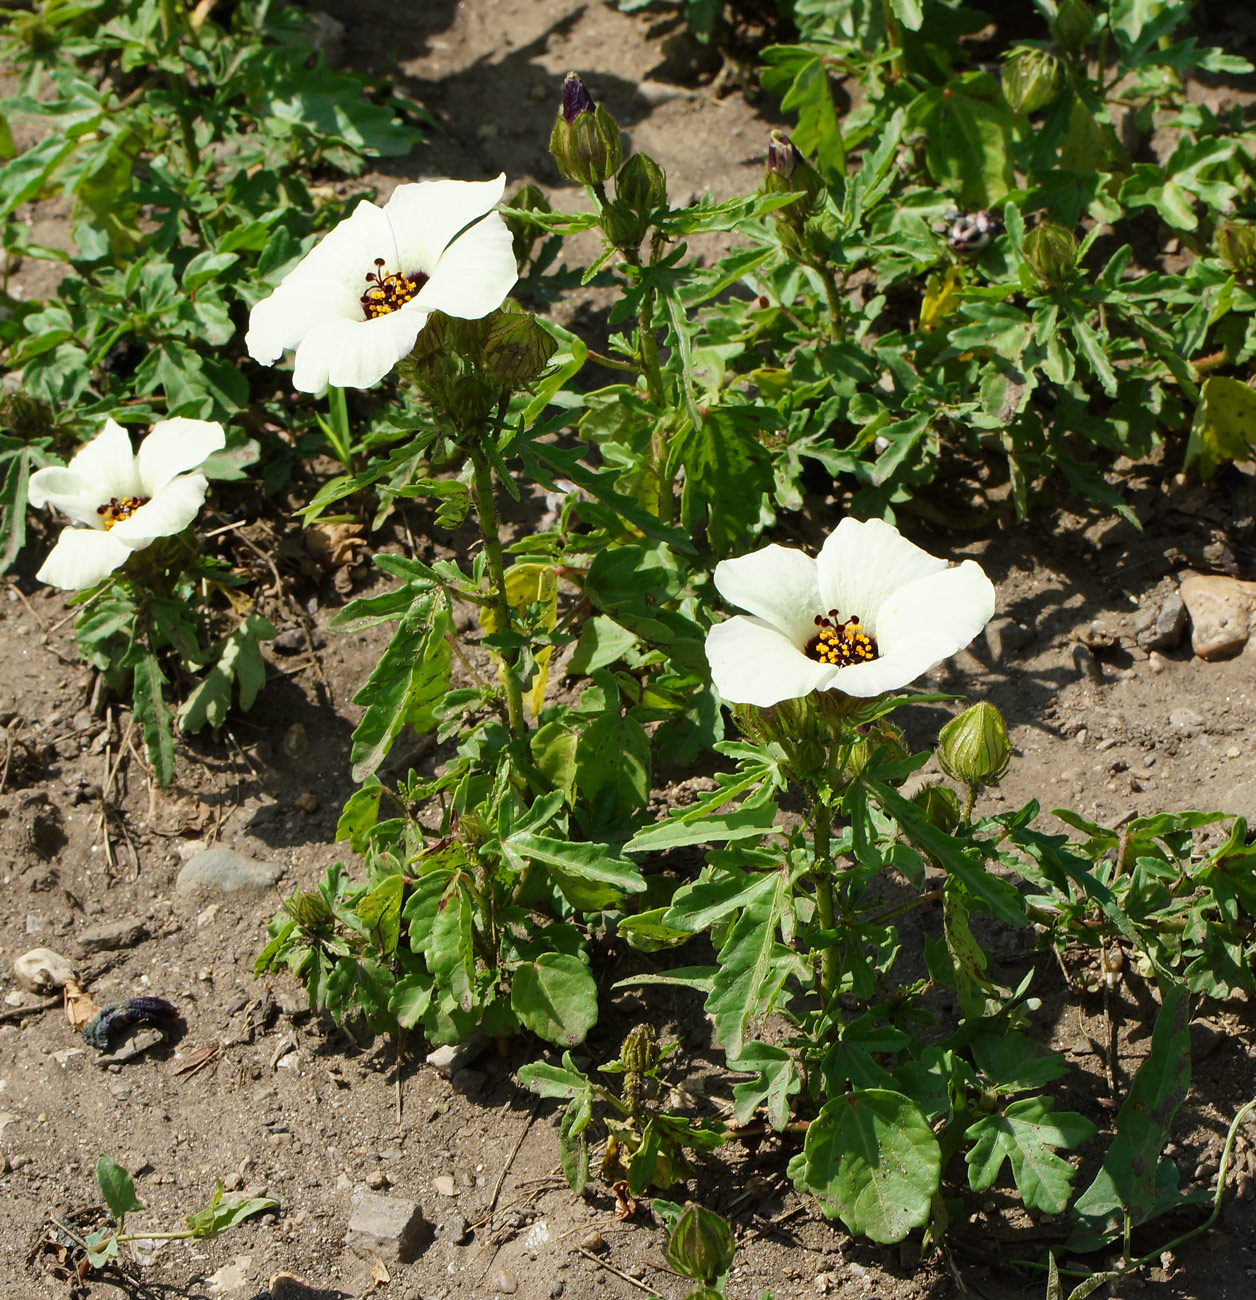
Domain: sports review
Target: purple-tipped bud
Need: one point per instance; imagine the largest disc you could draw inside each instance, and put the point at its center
(783, 155)
(585, 139)
(576, 98)
(788, 172)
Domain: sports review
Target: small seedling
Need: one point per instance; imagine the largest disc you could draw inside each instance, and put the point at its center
(118, 1191)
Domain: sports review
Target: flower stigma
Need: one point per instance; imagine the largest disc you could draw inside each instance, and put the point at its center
(119, 508)
(840, 642)
(389, 290)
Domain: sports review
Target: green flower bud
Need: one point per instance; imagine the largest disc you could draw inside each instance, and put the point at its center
(705, 1293)
(701, 1246)
(527, 199)
(940, 805)
(1051, 252)
(788, 172)
(641, 184)
(973, 748)
(516, 349)
(1032, 78)
(585, 139)
(1074, 24)
(621, 225)
(309, 911)
(1235, 244)
(640, 1052)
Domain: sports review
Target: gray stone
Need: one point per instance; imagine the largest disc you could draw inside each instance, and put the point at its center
(1186, 721)
(387, 1227)
(1166, 628)
(112, 935)
(454, 1056)
(226, 871)
(453, 1228)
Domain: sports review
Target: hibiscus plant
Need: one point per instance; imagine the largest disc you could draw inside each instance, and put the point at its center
(829, 893)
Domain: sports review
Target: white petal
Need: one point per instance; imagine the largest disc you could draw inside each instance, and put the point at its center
(108, 462)
(173, 447)
(948, 608)
(64, 489)
(281, 321)
(346, 255)
(777, 584)
(169, 512)
(862, 563)
(81, 558)
(355, 354)
(426, 216)
(752, 663)
(891, 671)
(475, 273)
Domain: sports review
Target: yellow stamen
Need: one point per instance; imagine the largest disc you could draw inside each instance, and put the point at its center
(840, 642)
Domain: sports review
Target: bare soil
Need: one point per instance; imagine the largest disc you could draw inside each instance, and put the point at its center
(292, 1108)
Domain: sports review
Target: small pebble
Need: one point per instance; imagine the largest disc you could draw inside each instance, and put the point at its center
(376, 1180)
(506, 1282)
(307, 802)
(444, 1185)
(1233, 752)
(592, 1241)
(556, 1290)
(295, 740)
(1157, 662)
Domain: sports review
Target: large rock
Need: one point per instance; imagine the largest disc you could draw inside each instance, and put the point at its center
(225, 871)
(112, 935)
(386, 1226)
(1220, 610)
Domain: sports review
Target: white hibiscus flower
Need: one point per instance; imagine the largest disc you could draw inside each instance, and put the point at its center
(354, 305)
(126, 501)
(869, 614)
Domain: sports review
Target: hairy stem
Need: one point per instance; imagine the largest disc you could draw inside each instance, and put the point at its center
(499, 601)
(822, 875)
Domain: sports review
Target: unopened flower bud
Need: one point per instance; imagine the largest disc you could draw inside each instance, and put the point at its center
(641, 184)
(1074, 24)
(973, 748)
(1032, 78)
(516, 349)
(309, 911)
(701, 1246)
(1051, 252)
(939, 804)
(623, 226)
(585, 139)
(527, 199)
(788, 172)
(1235, 245)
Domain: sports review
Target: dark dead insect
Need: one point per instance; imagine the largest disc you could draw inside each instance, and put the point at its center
(138, 1011)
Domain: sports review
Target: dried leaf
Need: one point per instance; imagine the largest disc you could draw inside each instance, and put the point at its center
(379, 1274)
(79, 1007)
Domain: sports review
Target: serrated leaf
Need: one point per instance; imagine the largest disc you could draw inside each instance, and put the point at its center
(380, 912)
(871, 1160)
(1133, 1178)
(776, 1080)
(590, 876)
(555, 997)
(754, 964)
(528, 584)
(573, 1146)
(1027, 1135)
(153, 715)
(1224, 429)
(405, 686)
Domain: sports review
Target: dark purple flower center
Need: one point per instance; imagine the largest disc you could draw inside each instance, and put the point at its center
(389, 291)
(119, 508)
(840, 642)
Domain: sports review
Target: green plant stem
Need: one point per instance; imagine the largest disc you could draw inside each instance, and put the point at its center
(822, 875)
(833, 297)
(648, 353)
(486, 516)
(894, 38)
